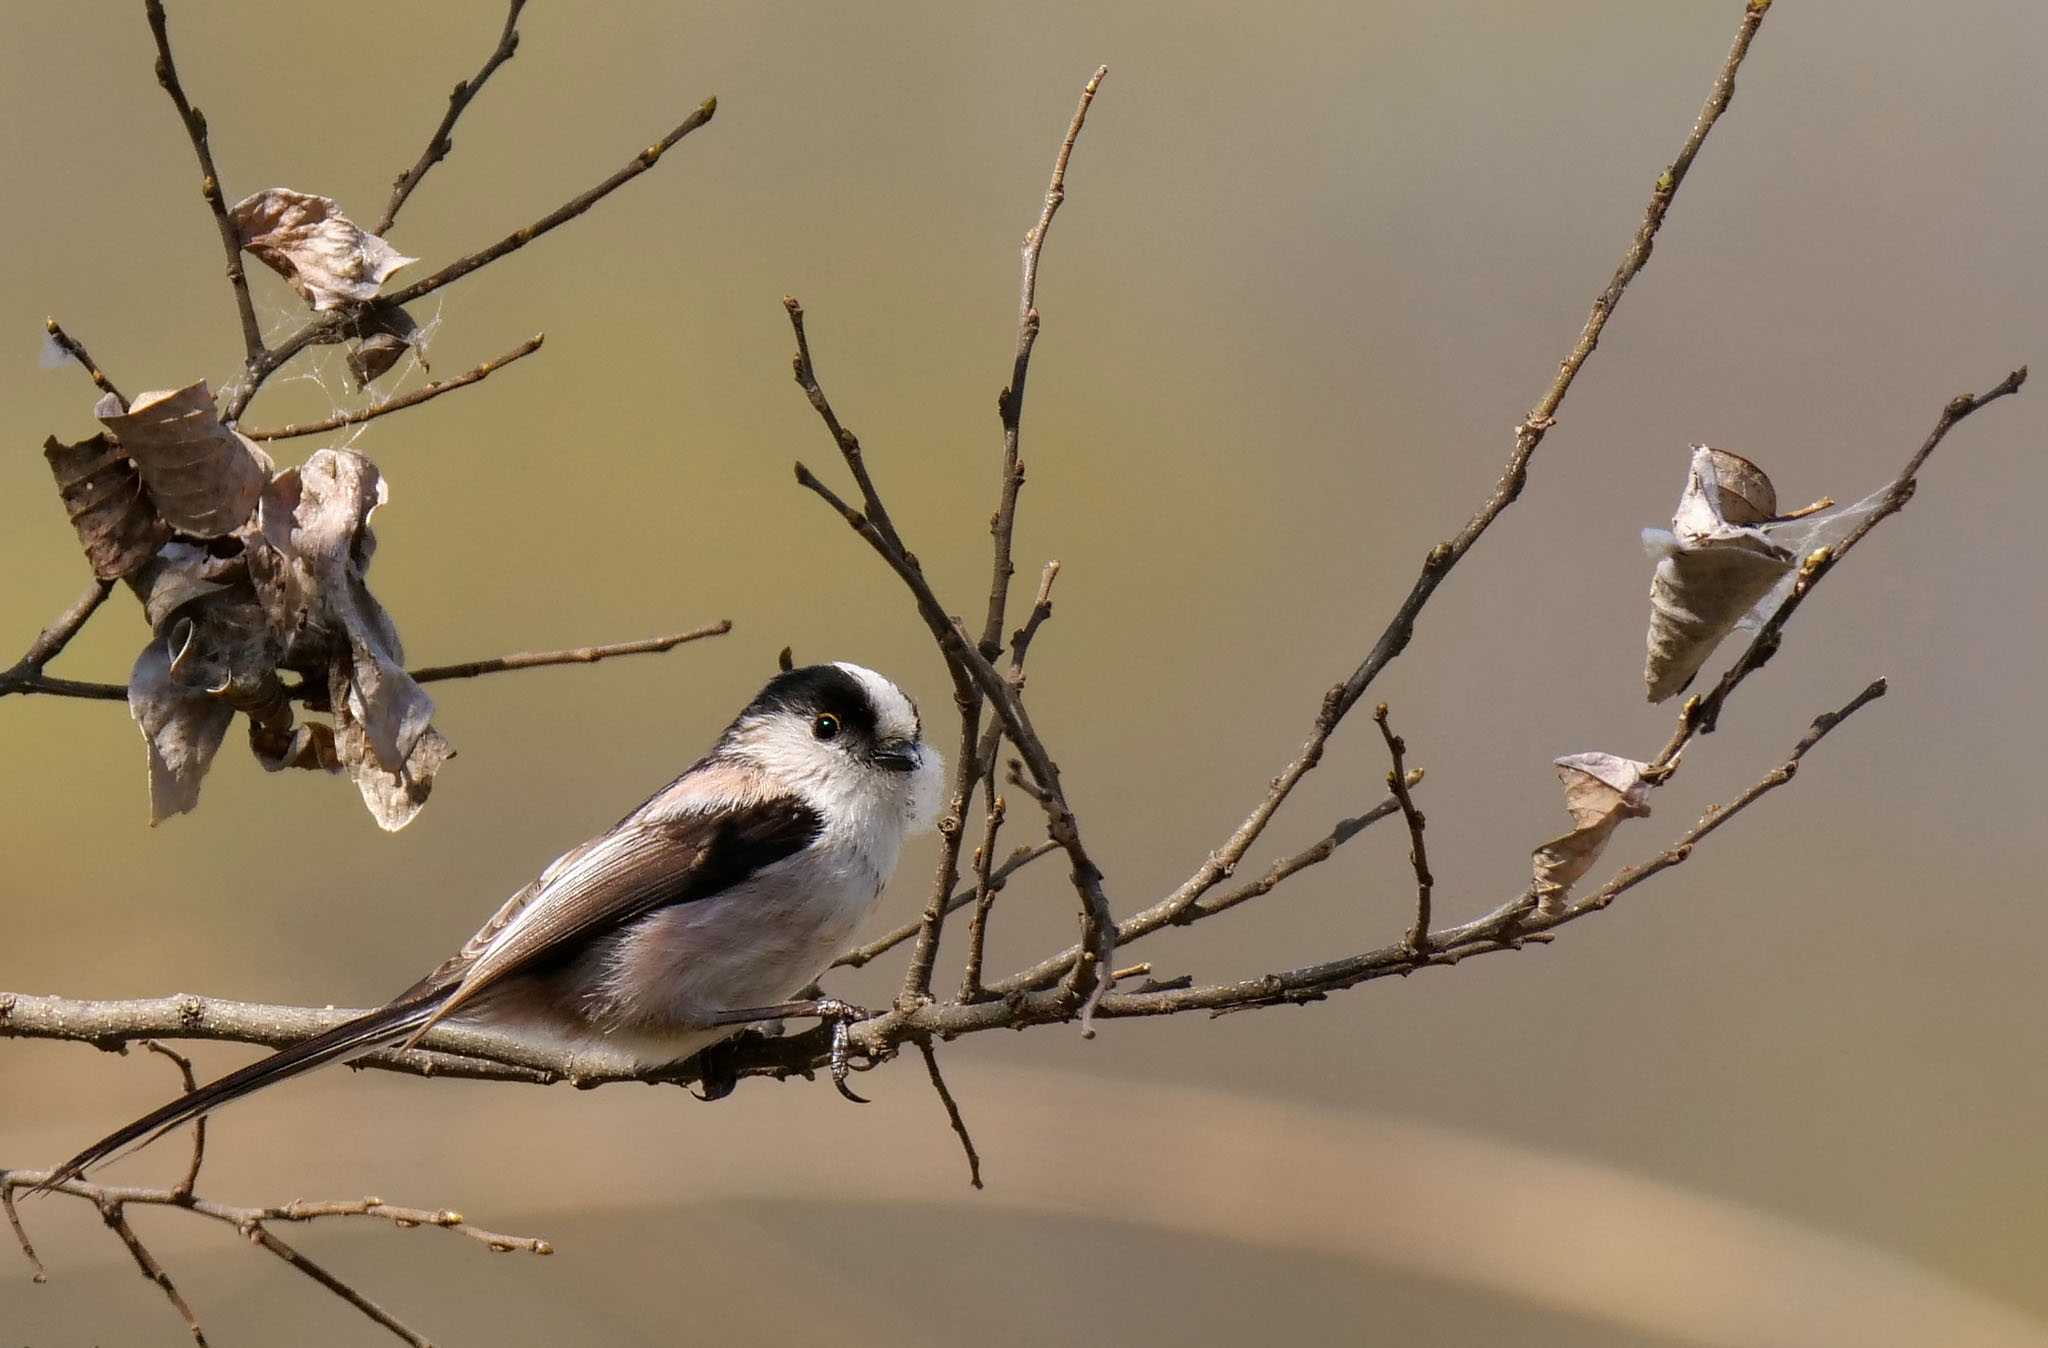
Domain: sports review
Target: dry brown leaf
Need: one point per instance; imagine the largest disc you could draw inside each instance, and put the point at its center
(389, 332)
(203, 477)
(1600, 790)
(183, 730)
(308, 558)
(108, 505)
(212, 652)
(306, 239)
(1712, 567)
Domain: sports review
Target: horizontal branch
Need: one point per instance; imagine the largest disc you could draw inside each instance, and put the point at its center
(401, 401)
(12, 682)
(457, 1051)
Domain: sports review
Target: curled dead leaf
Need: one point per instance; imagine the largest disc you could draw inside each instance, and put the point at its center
(1600, 790)
(1712, 568)
(211, 654)
(389, 332)
(308, 556)
(108, 505)
(203, 477)
(306, 239)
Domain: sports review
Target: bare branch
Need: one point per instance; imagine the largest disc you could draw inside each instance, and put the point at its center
(37, 1273)
(931, 1066)
(209, 182)
(75, 349)
(561, 215)
(984, 888)
(1165, 913)
(401, 401)
(439, 144)
(1418, 855)
(1528, 435)
(1343, 831)
(377, 1314)
(1002, 527)
(152, 1271)
(27, 673)
(1717, 815)
(112, 1201)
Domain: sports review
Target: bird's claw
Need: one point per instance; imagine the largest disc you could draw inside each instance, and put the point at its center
(841, 1015)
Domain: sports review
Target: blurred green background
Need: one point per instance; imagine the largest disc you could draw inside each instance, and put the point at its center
(1314, 265)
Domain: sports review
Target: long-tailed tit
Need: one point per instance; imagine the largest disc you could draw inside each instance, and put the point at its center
(731, 888)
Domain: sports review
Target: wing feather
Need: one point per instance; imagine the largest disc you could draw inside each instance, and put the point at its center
(640, 866)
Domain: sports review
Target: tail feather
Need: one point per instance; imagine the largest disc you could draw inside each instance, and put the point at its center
(386, 1025)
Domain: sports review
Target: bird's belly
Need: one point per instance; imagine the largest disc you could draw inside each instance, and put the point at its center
(755, 945)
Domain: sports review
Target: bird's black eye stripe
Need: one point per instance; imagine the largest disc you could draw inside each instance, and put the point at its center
(826, 727)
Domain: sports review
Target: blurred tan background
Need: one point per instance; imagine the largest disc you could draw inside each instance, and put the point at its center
(1312, 269)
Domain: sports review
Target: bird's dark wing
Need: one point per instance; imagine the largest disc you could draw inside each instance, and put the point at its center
(638, 867)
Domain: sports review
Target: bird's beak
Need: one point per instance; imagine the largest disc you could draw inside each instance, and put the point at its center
(897, 756)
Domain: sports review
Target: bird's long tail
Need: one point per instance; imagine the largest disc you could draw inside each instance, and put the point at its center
(384, 1026)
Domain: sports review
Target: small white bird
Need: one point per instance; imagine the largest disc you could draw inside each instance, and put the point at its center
(730, 889)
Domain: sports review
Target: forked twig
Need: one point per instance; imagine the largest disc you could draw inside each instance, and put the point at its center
(439, 144)
(209, 182)
(1418, 854)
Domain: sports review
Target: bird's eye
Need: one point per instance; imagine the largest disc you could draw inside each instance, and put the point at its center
(826, 727)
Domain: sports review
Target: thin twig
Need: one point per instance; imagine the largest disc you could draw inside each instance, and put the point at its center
(1002, 526)
(1343, 831)
(984, 890)
(75, 349)
(1418, 855)
(580, 655)
(401, 401)
(1153, 919)
(971, 764)
(152, 1271)
(1717, 815)
(986, 753)
(184, 1187)
(1701, 714)
(113, 1200)
(561, 215)
(377, 1314)
(37, 1273)
(209, 183)
(931, 1065)
(881, 945)
(26, 673)
(439, 144)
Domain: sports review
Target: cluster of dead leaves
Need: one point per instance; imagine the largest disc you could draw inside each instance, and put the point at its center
(248, 573)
